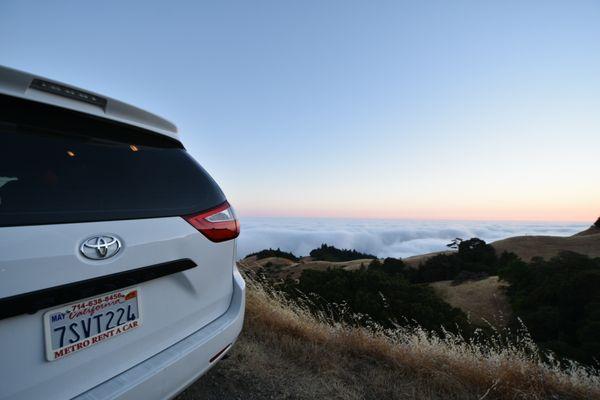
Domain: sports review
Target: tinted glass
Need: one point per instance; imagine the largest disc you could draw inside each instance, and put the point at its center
(59, 166)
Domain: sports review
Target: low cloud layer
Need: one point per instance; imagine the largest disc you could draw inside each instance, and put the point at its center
(382, 238)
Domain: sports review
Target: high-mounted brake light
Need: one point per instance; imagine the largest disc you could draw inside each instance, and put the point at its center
(66, 91)
(218, 224)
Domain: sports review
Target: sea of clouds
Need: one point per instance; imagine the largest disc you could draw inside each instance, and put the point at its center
(383, 238)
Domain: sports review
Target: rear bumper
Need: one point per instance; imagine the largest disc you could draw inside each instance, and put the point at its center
(167, 373)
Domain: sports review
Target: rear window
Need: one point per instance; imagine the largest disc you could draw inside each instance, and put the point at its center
(60, 166)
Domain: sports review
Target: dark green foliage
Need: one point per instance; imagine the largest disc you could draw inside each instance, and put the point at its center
(559, 302)
(597, 223)
(384, 298)
(454, 243)
(474, 256)
(273, 253)
(476, 251)
(442, 267)
(389, 266)
(506, 258)
(331, 253)
(270, 267)
(474, 260)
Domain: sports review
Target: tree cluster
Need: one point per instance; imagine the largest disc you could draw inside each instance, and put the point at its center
(331, 253)
(475, 259)
(365, 296)
(559, 302)
(273, 253)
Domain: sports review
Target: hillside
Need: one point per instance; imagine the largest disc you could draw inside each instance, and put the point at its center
(484, 301)
(527, 247)
(592, 230)
(284, 352)
(282, 268)
(287, 350)
(415, 261)
(586, 242)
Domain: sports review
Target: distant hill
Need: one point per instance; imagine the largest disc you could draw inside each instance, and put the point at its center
(527, 247)
(586, 242)
(285, 265)
(592, 230)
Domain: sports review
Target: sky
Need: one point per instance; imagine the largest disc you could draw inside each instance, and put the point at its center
(461, 110)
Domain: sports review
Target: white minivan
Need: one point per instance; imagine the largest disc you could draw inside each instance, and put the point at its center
(117, 250)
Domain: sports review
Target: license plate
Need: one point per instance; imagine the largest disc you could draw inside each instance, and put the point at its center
(79, 325)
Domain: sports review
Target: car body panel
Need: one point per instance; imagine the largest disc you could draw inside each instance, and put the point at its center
(173, 307)
(18, 84)
(166, 374)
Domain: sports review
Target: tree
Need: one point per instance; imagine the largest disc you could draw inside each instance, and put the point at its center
(454, 243)
(477, 251)
(474, 257)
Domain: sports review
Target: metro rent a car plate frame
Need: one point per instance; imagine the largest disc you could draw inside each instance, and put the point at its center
(80, 325)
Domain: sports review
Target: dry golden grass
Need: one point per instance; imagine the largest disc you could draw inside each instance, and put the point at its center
(547, 247)
(286, 352)
(586, 242)
(484, 301)
(279, 261)
(283, 268)
(592, 230)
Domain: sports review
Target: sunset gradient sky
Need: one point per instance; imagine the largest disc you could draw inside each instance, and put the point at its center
(387, 109)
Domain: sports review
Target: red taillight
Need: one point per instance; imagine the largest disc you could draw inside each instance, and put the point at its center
(218, 224)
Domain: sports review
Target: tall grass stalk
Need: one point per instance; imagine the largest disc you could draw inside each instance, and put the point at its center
(491, 367)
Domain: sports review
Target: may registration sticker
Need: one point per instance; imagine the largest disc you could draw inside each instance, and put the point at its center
(79, 325)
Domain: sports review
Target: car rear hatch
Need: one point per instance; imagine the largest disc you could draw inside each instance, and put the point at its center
(69, 182)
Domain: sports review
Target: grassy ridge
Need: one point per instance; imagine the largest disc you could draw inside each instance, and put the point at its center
(334, 360)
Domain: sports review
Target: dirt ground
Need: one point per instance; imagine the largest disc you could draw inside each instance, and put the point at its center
(257, 370)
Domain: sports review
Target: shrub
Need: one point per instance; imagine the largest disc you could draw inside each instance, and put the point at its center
(389, 266)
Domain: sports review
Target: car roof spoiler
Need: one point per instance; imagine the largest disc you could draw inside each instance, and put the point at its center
(35, 88)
